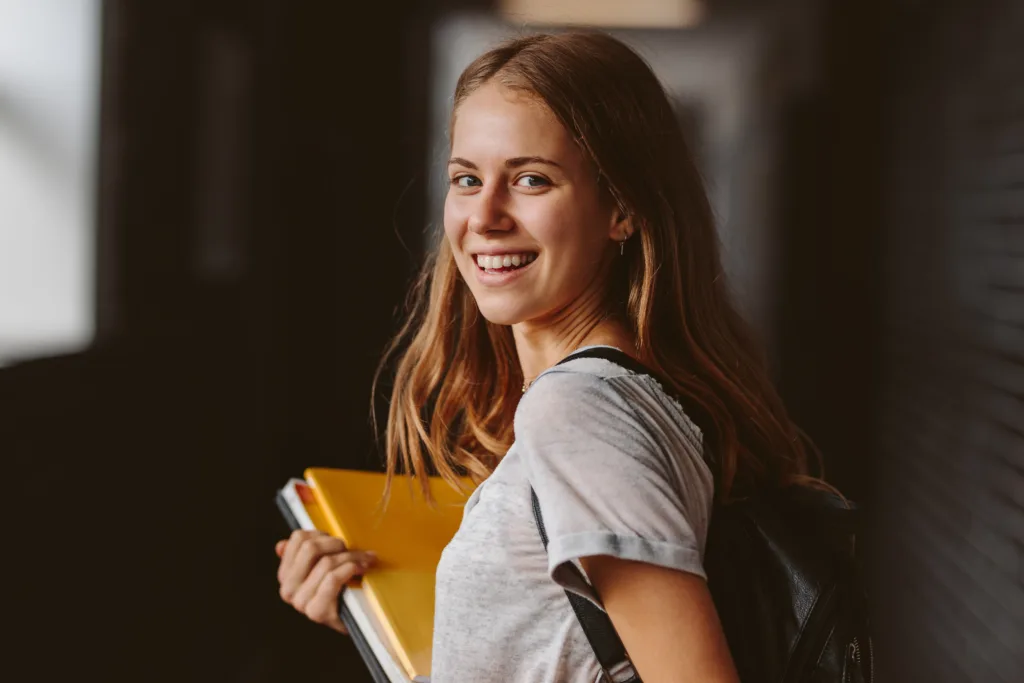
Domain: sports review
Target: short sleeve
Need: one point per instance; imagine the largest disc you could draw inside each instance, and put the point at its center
(617, 471)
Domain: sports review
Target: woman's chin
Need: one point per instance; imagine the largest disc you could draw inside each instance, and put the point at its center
(501, 315)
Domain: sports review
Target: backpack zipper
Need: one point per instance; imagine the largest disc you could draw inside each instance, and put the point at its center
(854, 649)
(870, 652)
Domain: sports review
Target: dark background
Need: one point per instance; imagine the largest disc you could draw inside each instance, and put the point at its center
(262, 207)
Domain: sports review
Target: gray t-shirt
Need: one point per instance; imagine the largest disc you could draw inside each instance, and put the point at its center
(618, 470)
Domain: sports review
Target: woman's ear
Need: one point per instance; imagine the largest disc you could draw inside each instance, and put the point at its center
(621, 228)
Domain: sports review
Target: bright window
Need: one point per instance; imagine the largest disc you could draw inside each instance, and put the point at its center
(49, 84)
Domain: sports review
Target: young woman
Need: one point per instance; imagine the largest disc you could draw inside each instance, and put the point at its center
(575, 218)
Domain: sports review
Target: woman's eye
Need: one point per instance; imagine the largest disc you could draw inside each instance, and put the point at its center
(465, 181)
(532, 181)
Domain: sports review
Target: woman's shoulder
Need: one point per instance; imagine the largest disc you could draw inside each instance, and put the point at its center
(579, 379)
(596, 390)
(593, 414)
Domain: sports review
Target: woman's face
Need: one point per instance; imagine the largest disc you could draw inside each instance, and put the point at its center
(527, 223)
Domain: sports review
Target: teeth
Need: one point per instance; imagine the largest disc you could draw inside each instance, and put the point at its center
(503, 261)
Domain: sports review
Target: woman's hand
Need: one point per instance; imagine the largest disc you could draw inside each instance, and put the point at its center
(314, 570)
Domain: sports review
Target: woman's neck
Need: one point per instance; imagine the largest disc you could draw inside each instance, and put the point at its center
(539, 348)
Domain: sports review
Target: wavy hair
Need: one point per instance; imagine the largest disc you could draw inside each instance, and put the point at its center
(458, 381)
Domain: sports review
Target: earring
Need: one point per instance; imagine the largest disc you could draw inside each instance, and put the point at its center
(622, 246)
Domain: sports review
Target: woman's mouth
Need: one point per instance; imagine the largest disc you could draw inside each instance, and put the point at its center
(504, 263)
(493, 270)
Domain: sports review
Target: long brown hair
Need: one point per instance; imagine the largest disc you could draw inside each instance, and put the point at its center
(458, 382)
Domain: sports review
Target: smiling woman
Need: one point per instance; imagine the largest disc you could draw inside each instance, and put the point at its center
(576, 225)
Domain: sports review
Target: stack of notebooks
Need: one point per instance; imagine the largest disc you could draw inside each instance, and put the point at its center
(389, 613)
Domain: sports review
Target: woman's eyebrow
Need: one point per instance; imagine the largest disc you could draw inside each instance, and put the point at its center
(514, 162)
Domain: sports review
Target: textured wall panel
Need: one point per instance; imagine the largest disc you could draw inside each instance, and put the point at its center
(951, 471)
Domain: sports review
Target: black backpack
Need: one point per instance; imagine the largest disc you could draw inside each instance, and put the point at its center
(784, 578)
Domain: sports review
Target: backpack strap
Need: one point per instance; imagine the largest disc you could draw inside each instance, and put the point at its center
(607, 646)
(611, 355)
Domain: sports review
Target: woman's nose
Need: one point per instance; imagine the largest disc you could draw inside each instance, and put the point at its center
(489, 212)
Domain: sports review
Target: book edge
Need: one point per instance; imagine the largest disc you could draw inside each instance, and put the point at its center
(353, 597)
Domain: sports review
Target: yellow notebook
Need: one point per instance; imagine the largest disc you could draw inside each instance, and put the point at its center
(407, 535)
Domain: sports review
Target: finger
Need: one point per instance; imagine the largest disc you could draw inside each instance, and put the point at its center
(310, 552)
(323, 607)
(305, 592)
(299, 537)
(302, 553)
(353, 564)
(279, 548)
(292, 546)
(292, 578)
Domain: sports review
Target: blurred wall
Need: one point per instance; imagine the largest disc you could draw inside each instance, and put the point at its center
(253, 203)
(950, 476)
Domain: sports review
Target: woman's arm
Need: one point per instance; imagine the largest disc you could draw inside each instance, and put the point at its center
(666, 620)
